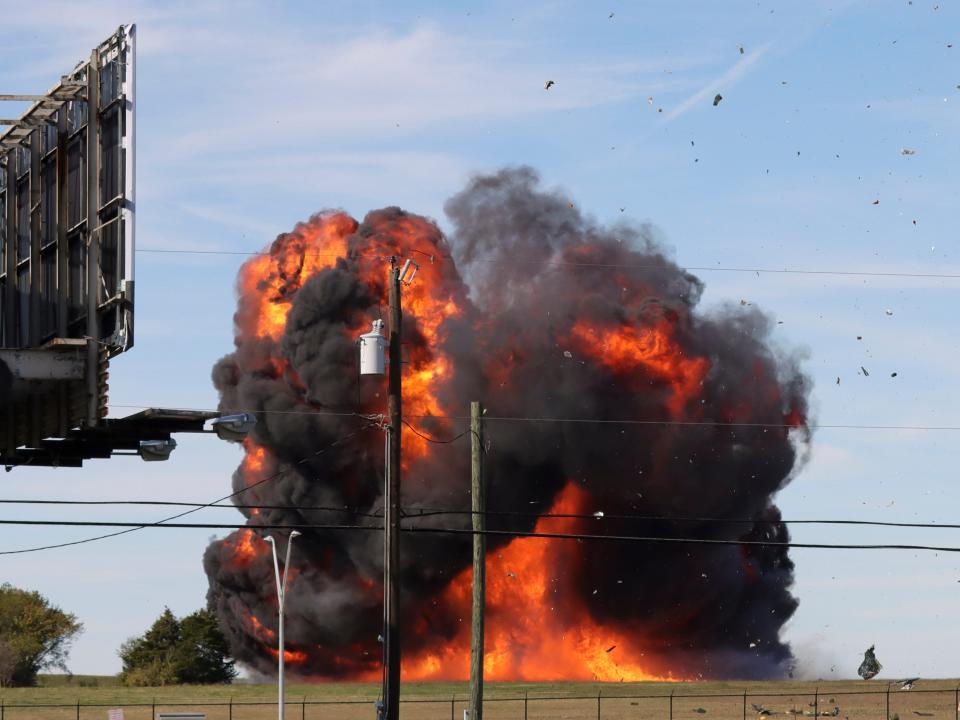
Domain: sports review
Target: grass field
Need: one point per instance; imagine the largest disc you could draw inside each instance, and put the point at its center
(503, 701)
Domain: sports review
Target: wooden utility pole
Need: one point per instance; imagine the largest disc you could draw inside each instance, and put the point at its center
(478, 506)
(391, 504)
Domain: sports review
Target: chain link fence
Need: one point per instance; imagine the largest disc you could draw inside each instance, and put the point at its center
(889, 703)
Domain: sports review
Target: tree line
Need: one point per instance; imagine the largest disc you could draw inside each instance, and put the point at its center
(36, 635)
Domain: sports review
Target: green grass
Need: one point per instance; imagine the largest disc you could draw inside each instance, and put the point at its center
(620, 700)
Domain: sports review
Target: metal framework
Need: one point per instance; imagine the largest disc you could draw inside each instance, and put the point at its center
(67, 197)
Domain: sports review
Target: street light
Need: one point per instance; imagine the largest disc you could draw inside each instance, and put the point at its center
(156, 450)
(281, 595)
(234, 428)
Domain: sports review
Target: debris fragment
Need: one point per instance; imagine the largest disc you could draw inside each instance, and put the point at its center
(567, 354)
(838, 379)
(598, 514)
(611, 648)
(865, 373)
(923, 714)
(610, 16)
(876, 202)
(908, 683)
(548, 84)
(894, 375)
(741, 49)
(700, 711)
(761, 710)
(744, 302)
(716, 99)
(889, 312)
(907, 151)
(870, 665)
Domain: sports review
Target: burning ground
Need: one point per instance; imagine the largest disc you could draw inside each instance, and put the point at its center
(540, 313)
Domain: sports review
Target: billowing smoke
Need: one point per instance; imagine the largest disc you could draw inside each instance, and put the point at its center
(563, 328)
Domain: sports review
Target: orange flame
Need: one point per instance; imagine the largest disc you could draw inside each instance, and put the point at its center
(529, 634)
(626, 348)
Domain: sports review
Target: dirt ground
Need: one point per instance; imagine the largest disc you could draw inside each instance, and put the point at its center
(503, 701)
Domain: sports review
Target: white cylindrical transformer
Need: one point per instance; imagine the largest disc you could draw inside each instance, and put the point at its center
(373, 347)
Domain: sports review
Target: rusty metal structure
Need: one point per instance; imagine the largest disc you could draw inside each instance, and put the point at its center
(67, 208)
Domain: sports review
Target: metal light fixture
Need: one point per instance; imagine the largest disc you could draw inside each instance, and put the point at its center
(156, 450)
(281, 596)
(234, 428)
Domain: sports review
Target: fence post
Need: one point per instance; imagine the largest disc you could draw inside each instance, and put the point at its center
(526, 693)
(744, 704)
(816, 702)
(671, 703)
(598, 702)
(956, 697)
(153, 710)
(78, 708)
(452, 699)
(888, 701)
(231, 709)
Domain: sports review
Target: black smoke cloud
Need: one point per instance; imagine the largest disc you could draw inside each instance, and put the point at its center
(532, 268)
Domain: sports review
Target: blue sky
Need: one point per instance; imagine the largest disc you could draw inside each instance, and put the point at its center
(253, 116)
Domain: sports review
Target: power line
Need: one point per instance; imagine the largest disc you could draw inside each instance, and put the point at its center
(626, 266)
(601, 421)
(134, 527)
(423, 512)
(467, 531)
(432, 439)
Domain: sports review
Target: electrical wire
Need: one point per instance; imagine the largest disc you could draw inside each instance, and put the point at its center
(135, 527)
(423, 512)
(497, 533)
(432, 439)
(626, 266)
(600, 421)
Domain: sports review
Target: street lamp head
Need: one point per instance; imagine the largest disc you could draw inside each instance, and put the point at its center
(294, 533)
(269, 539)
(234, 428)
(156, 450)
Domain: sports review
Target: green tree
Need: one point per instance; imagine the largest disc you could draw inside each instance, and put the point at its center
(34, 635)
(172, 651)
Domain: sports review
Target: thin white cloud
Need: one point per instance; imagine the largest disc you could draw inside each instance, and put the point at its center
(730, 78)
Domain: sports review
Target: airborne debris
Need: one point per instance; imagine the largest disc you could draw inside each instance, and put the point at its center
(876, 202)
(716, 99)
(548, 84)
(908, 151)
(611, 648)
(761, 710)
(889, 312)
(908, 683)
(893, 374)
(741, 49)
(870, 665)
(598, 514)
(865, 373)
(567, 354)
(610, 16)
(700, 711)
